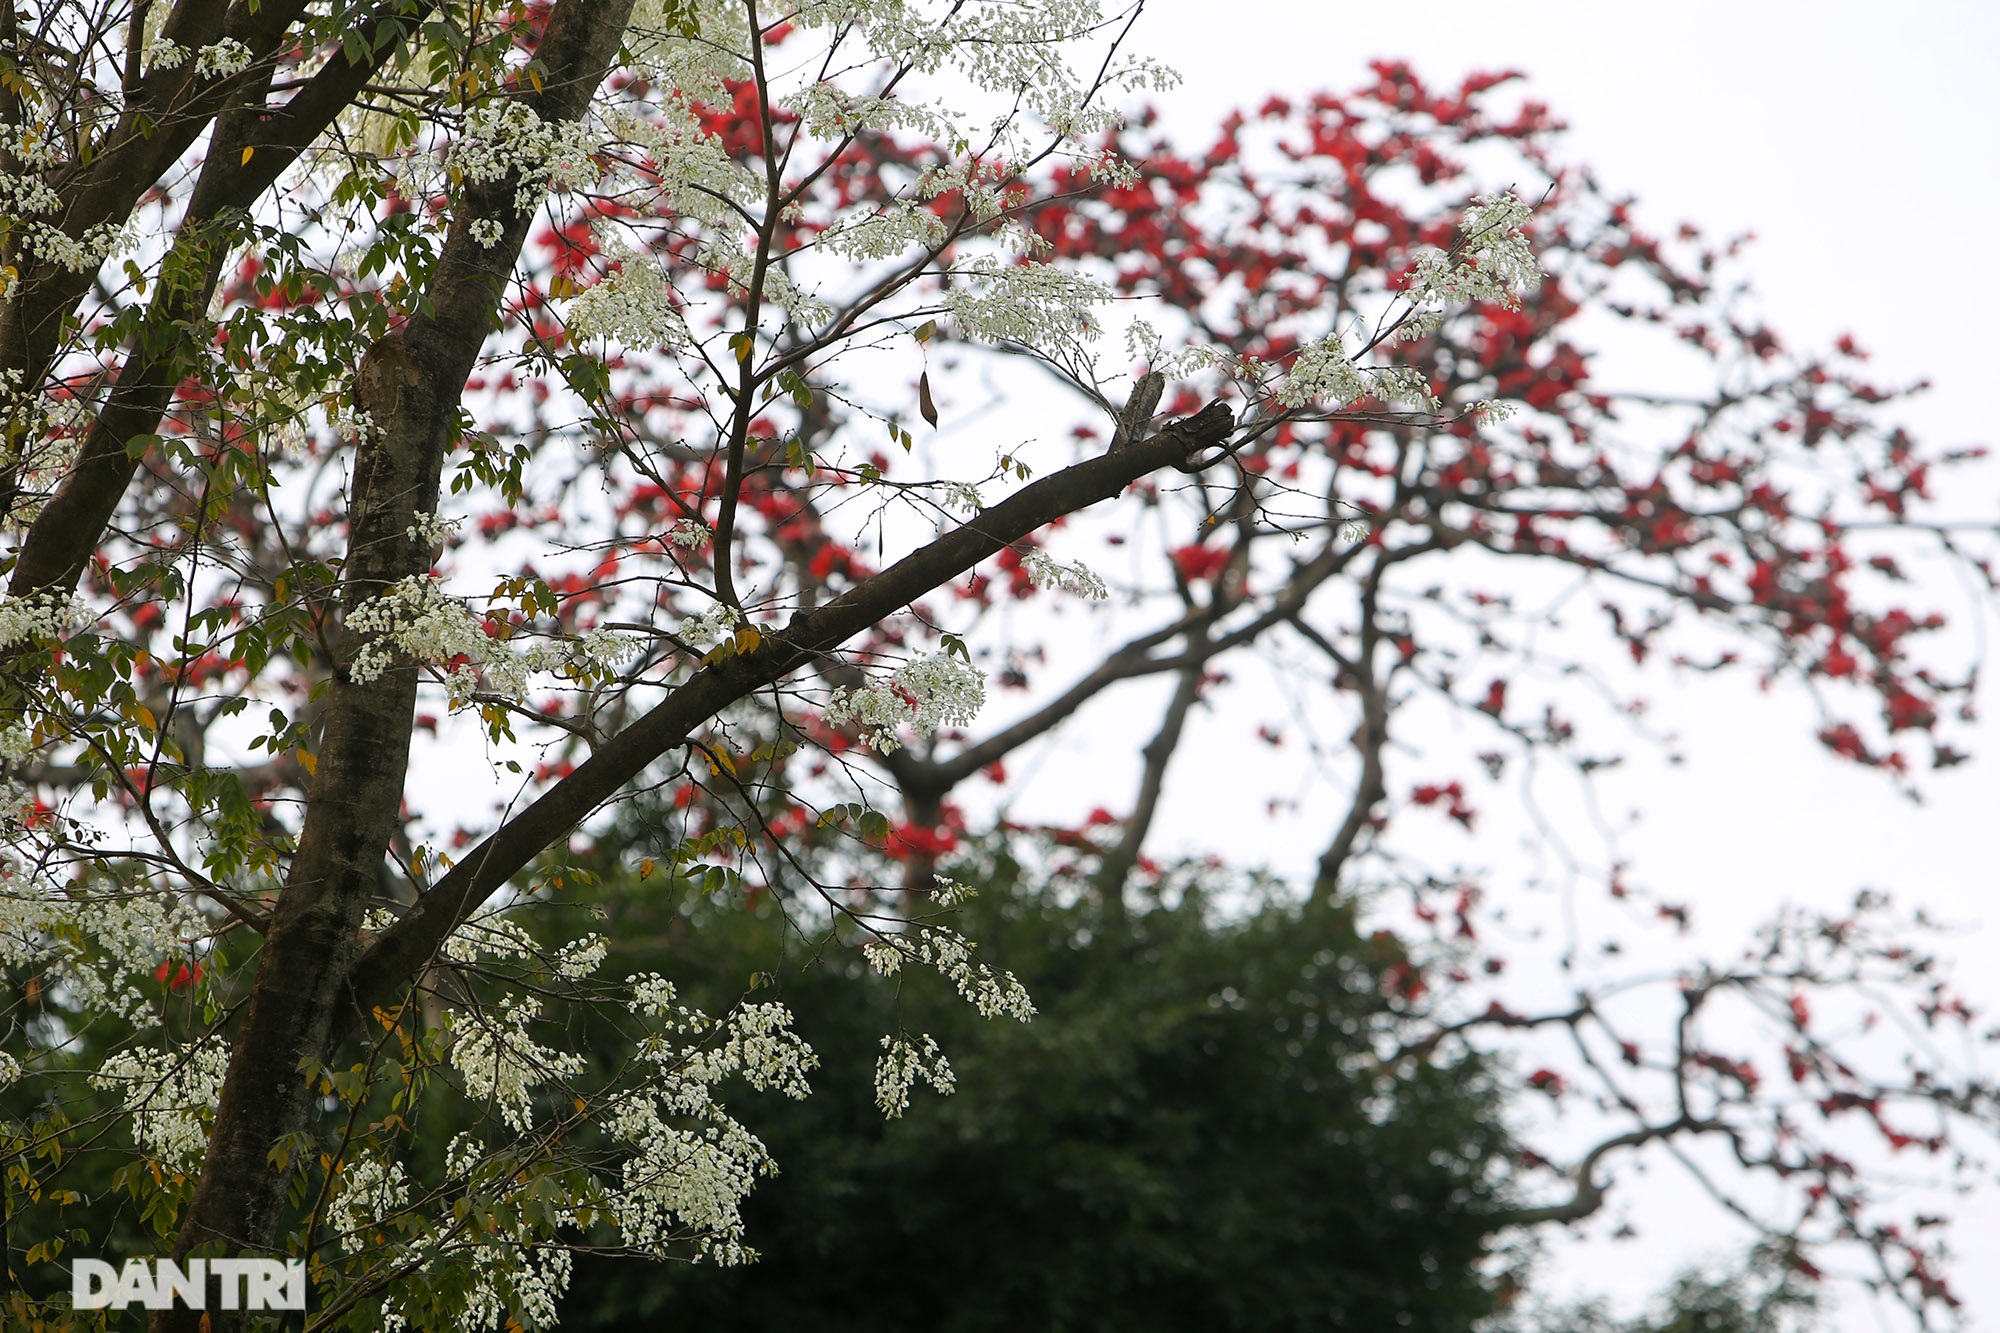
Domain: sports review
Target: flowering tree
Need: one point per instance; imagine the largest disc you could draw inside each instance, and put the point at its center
(495, 387)
(263, 281)
(1752, 513)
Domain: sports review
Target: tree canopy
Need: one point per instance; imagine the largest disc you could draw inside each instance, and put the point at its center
(429, 425)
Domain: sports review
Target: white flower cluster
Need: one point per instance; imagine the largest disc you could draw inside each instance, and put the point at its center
(1144, 344)
(993, 994)
(420, 619)
(502, 1065)
(706, 629)
(631, 305)
(901, 226)
(45, 433)
(532, 1276)
(1322, 373)
(1036, 305)
(487, 232)
(369, 1192)
(225, 59)
(1012, 49)
(683, 160)
(683, 1180)
(936, 690)
(1493, 263)
(94, 945)
(170, 1095)
(432, 530)
(221, 60)
(581, 957)
(493, 933)
(25, 197)
(490, 933)
(1074, 577)
(760, 1046)
(901, 1064)
(164, 53)
(690, 534)
(40, 616)
(506, 138)
(513, 1267)
(950, 893)
(963, 497)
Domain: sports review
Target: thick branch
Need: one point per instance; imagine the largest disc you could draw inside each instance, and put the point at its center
(405, 947)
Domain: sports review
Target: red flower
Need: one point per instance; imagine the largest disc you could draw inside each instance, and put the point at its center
(182, 976)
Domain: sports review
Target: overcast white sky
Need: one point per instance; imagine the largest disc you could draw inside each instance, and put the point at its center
(1862, 145)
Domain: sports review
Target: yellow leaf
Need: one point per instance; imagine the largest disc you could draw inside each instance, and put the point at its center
(309, 762)
(246, 156)
(645, 869)
(748, 640)
(144, 717)
(535, 77)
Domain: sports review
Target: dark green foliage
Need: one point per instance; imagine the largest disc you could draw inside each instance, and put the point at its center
(1766, 1294)
(1191, 1135)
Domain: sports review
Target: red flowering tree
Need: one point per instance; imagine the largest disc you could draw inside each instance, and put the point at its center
(1752, 514)
(338, 455)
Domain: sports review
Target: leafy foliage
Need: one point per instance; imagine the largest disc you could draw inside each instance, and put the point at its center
(1194, 1131)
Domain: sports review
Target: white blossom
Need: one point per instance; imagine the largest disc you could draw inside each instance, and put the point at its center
(164, 53)
(171, 1095)
(95, 944)
(415, 618)
(706, 629)
(1036, 305)
(950, 893)
(963, 497)
(692, 1164)
(934, 691)
(901, 1064)
(1074, 577)
(632, 305)
(432, 530)
(1322, 373)
(506, 138)
(1493, 263)
(489, 934)
(993, 994)
(40, 616)
(487, 232)
(502, 1065)
(368, 1193)
(581, 957)
(690, 534)
(224, 59)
